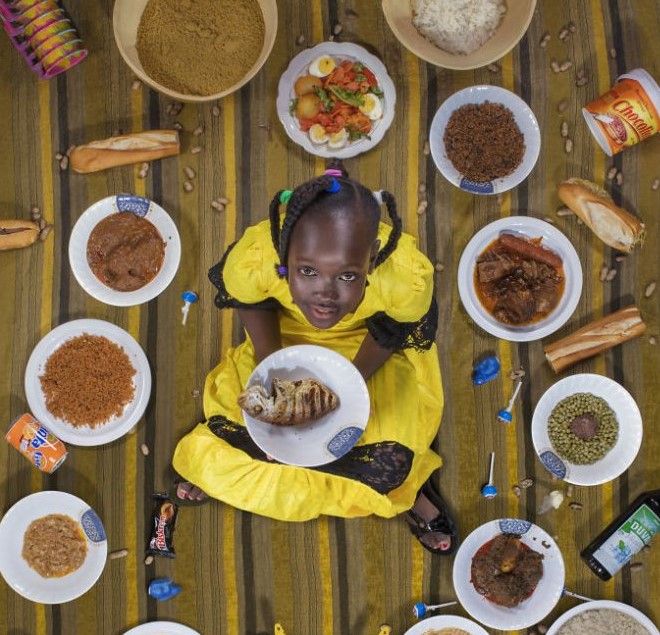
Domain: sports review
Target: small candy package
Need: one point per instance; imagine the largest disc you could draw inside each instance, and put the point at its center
(162, 527)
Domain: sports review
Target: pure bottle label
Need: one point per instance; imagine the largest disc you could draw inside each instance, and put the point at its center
(628, 539)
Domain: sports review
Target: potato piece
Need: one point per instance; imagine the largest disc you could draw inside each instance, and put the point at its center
(308, 106)
(306, 85)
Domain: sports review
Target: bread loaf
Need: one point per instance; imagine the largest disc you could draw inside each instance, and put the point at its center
(15, 234)
(124, 150)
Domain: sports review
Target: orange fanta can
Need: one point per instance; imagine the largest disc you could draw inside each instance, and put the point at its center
(34, 441)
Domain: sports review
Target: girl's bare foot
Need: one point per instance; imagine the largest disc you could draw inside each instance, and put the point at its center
(187, 491)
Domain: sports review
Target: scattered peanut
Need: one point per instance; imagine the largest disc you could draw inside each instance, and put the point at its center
(563, 129)
(148, 560)
(494, 68)
(35, 213)
(120, 553)
(64, 162)
(547, 219)
(217, 205)
(652, 340)
(422, 188)
(564, 211)
(195, 150)
(300, 40)
(619, 178)
(222, 201)
(604, 270)
(575, 506)
(650, 288)
(554, 65)
(655, 185)
(189, 172)
(174, 108)
(144, 448)
(215, 111)
(331, 38)
(421, 208)
(41, 222)
(177, 126)
(43, 234)
(565, 65)
(439, 267)
(562, 105)
(338, 29)
(188, 186)
(611, 173)
(199, 130)
(620, 258)
(568, 146)
(194, 393)
(427, 149)
(545, 38)
(582, 81)
(569, 491)
(516, 374)
(580, 73)
(563, 34)
(571, 27)
(143, 171)
(542, 629)
(58, 156)
(611, 274)
(136, 85)
(516, 490)
(613, 53)
(526, 482)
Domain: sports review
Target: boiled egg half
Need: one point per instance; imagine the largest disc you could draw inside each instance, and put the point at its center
(372, 107)
(322, 66)
(318, 135)
(338, 139)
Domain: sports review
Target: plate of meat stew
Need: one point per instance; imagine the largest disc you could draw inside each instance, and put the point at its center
(520, 278)
(508, 574)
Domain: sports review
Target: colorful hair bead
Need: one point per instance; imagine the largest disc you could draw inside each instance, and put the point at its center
(334, 186)
(281, 270)
(285, 196)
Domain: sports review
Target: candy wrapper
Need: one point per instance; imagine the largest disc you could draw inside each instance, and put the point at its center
(163, 521)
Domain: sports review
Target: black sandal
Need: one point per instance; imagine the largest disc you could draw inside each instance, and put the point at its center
(443, 523)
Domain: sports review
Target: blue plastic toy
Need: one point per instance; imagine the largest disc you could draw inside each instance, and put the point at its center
(163, 589)
(188, 297)
(486, 370)
(489, 490)
(505, 415)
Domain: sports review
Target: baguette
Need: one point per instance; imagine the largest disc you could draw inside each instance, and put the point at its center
(595, 337)
(612, 224)
(124, 150)
(15, 234)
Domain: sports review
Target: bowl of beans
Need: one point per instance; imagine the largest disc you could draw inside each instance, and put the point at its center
(587, 429)
(485, 139)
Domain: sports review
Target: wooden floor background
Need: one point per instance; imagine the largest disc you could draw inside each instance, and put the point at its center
(241, 573)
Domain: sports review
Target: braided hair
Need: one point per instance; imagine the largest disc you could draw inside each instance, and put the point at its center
(351, 195)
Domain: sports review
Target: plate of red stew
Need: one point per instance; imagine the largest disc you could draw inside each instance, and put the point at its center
(520, 278)
(124, 250)
(508, 574)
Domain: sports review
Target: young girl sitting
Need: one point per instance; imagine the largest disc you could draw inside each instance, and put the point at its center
(329, 273)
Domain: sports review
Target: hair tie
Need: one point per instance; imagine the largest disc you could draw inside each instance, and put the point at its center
(333, 172)
(378, 195)
(281, 270)
(285, 195)
(334, 186)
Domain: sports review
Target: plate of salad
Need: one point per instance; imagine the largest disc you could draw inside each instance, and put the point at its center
(336, 100)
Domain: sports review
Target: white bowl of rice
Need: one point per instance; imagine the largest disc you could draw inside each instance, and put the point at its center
(603, 617)
(459, 34)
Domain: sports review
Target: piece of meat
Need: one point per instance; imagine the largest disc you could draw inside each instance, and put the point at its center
(515, 306)
(490, 270)
(545, 298)
(528, 249)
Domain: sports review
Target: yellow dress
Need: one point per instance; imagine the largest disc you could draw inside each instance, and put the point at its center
(406, 394)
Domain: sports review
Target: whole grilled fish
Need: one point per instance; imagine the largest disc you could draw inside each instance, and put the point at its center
(290, 402)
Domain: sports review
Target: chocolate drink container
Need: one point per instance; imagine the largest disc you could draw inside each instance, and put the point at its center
(625, 536)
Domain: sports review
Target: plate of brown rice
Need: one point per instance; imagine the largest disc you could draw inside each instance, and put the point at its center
(88, 381)
(54, 547)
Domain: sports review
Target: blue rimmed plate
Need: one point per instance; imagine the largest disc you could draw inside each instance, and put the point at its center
(328, 438)
(25, 580)
(538, 604)
(618, 459)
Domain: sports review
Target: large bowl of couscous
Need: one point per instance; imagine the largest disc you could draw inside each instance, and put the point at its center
(459, 34)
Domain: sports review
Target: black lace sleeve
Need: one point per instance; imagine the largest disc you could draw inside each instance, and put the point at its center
(225, 301)
(394, 335)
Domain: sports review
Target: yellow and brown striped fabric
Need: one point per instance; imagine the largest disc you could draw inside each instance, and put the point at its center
(241, 573)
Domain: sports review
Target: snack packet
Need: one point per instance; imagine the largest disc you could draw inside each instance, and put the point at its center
(162, 527)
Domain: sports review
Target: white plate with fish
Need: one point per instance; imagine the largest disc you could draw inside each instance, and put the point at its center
(543, 597)
(323, 440)
(115, 426)
(24, 579)
(624, 450)
(378, 109)
(437, 622)
(609, 613)
(161, 628)
(524, 119)
(551, 240)
(143, 208)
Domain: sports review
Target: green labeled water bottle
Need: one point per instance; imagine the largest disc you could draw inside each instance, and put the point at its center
(625, 536)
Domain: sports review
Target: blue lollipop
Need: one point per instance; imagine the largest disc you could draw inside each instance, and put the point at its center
(489, 490)
(420, 609)
(188, 297)
(505, 415)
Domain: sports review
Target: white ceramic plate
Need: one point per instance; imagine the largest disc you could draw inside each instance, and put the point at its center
(328, 438)
(524, 118)
(25, 580)
(340, 51)
(604, 604)
(534, 608)
(618, 459)
(161, 628)
(97, 212)
(553, 239)
(116, 426)
(446, 621)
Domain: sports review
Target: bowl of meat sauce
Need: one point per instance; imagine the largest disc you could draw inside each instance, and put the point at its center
(124, 250)
(519, 278)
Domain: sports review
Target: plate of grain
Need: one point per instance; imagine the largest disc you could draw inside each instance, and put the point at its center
(54, 547)
(587, 429)
(604, 617)
(485, 139)
(88, 382)
(446, 625)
